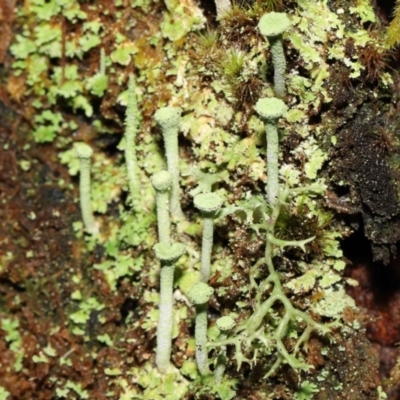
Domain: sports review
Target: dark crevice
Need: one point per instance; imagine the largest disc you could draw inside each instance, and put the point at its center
(128, 306)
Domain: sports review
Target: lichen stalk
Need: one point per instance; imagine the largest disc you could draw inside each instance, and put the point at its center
(171, 146)
(224, 324)
(162, 184)
(169, 118)
(221, 363)
(206, 249)
(201, 339)
(168, 256)
(271, 131)
(102, 67)
(279, 63)
(270, 110)
(163, 220)
(84, 153)
(209, 204)
(165, 319)
(199, 295)
(132, 122)
(272, 25)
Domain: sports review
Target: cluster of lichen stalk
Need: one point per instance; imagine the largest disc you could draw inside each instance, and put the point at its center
(250, 333)
(166, 184)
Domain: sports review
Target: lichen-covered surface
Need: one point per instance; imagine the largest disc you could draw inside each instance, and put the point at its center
(78, 313)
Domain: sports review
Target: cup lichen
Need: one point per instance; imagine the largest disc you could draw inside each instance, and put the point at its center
(209, 204)
(272, 26)
(270, 110)
(169, 118)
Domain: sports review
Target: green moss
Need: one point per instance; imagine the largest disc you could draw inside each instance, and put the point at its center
(72, 388)
(364, 10)
(158, 387)
(4, 394)
(180, 20)
(14, 340)
(82, 315)
(48, 126)
(306, 391)
(122, 265)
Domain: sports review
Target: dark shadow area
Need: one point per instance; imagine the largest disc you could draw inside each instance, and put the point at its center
(383, 281)
(210, 12)
(385, 7)
(378, 295)
(128, 305)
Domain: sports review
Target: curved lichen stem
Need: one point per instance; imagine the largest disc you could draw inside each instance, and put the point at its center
(132, 123)
(253, 329)
(253, 272)
(274, 367)
(264, 287)
(161, 182)
(286, 243)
